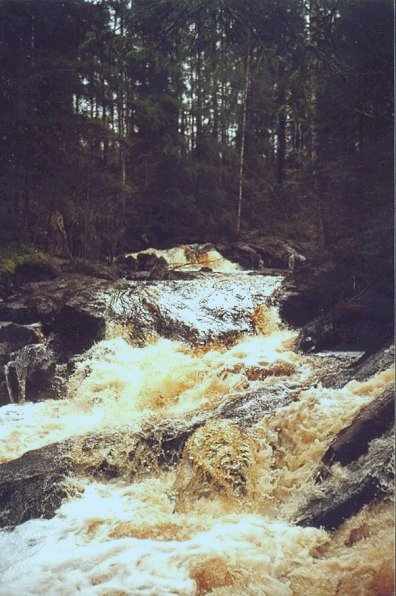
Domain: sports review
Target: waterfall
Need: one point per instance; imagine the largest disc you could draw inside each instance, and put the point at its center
(247, 423)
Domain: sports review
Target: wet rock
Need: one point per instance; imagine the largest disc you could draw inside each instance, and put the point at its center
(78, 326)
(33, 485)
(248, 408)
(371, 422)
(92, 269)
(149, 261)
(259, 252)
(369, 478)
(71, 306)
(15, 336)
(241, 253)
(30, 374)
(329, 319)
(363, 368)
(127, 264)
(206, 309)
(4, 397)
(357, 328)
(371, 363)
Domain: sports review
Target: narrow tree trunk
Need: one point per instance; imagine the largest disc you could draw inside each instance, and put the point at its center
(243, 139)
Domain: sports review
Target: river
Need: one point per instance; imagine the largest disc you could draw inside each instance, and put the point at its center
(220, 520)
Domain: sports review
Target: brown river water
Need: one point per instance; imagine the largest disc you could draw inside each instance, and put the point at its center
(195, 529)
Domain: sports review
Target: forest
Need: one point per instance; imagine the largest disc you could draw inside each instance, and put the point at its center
(155, 122)
(196, 298)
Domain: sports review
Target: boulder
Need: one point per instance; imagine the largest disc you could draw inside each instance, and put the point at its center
(208, 308)
(15, 335)
(33, 485)
(365, 450)
(350, 325)
(262, 252)
(92, 269)
(17, 311)
(363, 368)
(78, 326)
(371, 422)
(72, 306)
(30, 374)
(126, 264)
(369, 478)
(147, 261)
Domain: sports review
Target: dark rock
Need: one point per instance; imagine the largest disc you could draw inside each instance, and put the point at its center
(371, 363)
(4, 397)
(30, 374)
(362, 369)
(159, 270)
(92, 269)
(78, 326)
(146, 261)
(262, 252)
(369, 478)
(35, 269)
(16, 336)
(371, 422)
(33, 485)
(72, 306)
(352, 326)
(127, 264)
(16, 311)
(310, 290)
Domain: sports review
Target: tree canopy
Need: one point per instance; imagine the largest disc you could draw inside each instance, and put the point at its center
(165, 120)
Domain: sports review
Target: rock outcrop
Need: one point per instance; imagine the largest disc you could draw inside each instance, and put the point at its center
(263, 252)
(340, 496)
(361, 321)
(33, 485)
(30, 374)
(364, 454)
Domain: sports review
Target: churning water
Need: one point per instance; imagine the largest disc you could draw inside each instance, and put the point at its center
(220, 520)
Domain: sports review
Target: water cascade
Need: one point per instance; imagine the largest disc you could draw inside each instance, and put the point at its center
(215, 511)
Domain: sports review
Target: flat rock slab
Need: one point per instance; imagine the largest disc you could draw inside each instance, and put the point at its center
(197, 311)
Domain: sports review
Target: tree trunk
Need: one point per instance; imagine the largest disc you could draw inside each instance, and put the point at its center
(281, 134)
(243, 139)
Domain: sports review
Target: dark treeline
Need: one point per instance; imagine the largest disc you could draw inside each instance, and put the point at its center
(158, 121)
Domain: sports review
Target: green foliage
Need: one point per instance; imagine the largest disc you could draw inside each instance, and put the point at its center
(12, 256)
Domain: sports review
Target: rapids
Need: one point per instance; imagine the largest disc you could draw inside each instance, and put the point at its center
(221, 520)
